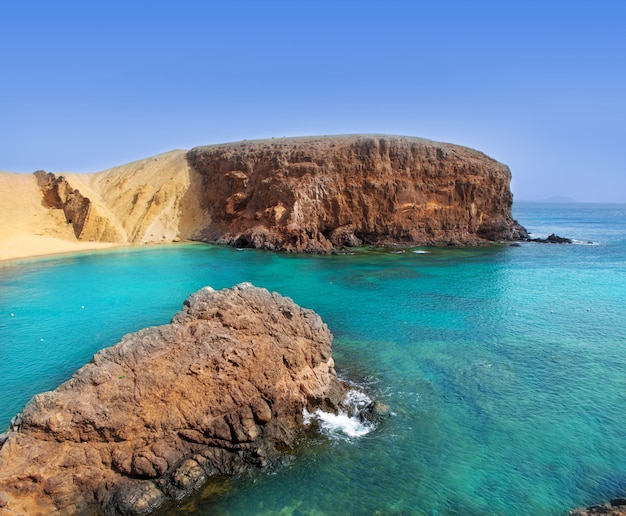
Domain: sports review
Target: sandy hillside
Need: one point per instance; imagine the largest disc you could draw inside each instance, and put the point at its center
(150, 200)
(27, 228)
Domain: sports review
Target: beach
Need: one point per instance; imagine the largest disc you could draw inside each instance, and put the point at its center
(31, 229)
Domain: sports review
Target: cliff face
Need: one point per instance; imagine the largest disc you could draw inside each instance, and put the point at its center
(220, 388)
(313, 194)
(78, 210)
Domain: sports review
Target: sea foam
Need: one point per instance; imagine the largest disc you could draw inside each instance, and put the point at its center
(346, 423)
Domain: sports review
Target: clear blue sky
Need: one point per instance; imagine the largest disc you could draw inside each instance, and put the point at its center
(538, 85)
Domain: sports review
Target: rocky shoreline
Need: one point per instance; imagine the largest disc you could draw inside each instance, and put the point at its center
(221, 389)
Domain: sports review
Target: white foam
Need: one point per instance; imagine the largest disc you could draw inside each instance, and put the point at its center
(356, 400)
(420, 251)
(334, 425)
(584, 242)
(342, 424)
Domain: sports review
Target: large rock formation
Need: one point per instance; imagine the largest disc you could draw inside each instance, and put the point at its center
(222, 387)
(318, 193)
(313, 194)
(78, 210)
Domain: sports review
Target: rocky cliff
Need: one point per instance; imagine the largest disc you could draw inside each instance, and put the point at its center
(318, 193)
(219, 389)
(313, 194)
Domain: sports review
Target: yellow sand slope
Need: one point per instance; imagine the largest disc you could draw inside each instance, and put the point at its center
(150, 200)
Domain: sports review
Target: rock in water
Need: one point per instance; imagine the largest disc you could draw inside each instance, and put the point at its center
(615, 507)
(552, 239)
(219, 389)
(315, 194)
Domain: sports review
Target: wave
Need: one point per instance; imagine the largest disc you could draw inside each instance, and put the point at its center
(346, 423)
(421, 251)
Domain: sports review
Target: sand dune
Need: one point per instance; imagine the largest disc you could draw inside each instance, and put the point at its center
(146, 201)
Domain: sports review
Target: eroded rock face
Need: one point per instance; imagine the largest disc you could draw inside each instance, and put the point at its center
(78, 210)
(58, 194)
(315, 194)
(219, 389)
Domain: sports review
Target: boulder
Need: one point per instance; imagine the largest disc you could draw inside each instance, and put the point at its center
(374, 412)
(220, 389)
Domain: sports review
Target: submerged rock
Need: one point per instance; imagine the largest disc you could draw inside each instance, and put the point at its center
(615, 507)
(374, 412)
(220, 389)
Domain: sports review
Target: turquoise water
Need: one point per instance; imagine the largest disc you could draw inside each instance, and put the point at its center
(505, 367)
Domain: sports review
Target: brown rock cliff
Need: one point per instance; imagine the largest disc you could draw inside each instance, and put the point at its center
(220, 388)
(313, 194)
(317, 193)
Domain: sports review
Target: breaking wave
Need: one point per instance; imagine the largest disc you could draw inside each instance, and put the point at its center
(346, 423)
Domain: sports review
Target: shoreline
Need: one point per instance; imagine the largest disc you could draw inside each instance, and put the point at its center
(71, 248)
(25, 246)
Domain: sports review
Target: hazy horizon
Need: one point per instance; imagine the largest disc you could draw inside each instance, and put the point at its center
(538, 86)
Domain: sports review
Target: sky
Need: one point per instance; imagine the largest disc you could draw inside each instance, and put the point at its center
(537, 85)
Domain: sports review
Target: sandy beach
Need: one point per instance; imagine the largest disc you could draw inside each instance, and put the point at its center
(24, 245)
(30, 229)
(135, 203)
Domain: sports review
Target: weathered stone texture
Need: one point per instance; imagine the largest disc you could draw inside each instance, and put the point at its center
(315, 194)
(219, 389)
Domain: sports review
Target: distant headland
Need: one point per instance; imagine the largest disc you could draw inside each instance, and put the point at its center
(307, 194)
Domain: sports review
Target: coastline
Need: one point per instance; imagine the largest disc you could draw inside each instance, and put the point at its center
(24, 245)
(450, 294)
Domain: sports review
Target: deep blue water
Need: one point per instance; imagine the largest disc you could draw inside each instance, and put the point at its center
(505, 367)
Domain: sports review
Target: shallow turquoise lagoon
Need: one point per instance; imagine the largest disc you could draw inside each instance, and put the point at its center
(505, 367)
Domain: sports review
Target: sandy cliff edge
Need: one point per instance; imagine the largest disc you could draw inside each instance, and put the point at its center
(146, 201)
(27, 227)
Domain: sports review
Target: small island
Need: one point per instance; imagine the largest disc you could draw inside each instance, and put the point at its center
(222, 388)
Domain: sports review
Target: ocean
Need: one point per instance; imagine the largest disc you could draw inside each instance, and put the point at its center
(504, 367)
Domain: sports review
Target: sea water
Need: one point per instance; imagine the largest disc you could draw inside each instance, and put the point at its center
(504, 367)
